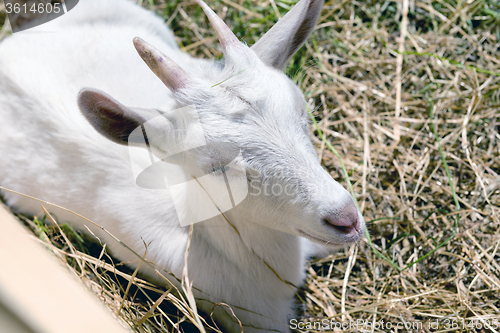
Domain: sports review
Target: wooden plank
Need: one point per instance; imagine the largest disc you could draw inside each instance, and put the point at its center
(36, 289)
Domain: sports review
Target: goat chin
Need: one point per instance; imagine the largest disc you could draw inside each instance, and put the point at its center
(146, 147)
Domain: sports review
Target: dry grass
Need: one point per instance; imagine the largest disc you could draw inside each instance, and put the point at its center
(408, 95)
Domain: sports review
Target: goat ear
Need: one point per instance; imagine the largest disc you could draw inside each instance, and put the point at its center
(280, 43)
(112, 119)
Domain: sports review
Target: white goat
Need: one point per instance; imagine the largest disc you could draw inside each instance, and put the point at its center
(247, 122)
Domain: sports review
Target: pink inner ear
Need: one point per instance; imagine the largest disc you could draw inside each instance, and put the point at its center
(109, 117)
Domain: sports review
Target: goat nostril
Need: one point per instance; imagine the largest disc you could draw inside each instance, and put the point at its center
(343, 225)
(345, 222)
(340, 228)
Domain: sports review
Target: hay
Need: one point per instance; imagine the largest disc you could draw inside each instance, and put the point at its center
(416, 123)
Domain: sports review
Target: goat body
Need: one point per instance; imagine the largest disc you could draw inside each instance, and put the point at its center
(64, 139)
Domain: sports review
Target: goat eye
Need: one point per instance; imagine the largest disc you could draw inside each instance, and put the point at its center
(219, 170)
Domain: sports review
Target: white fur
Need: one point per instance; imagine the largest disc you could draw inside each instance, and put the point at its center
(49, 150)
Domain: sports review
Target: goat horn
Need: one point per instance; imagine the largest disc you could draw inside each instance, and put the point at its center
(171, 74)
(226, 37)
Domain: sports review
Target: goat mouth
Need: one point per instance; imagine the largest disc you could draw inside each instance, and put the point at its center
(320, 240)
(327, 242)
